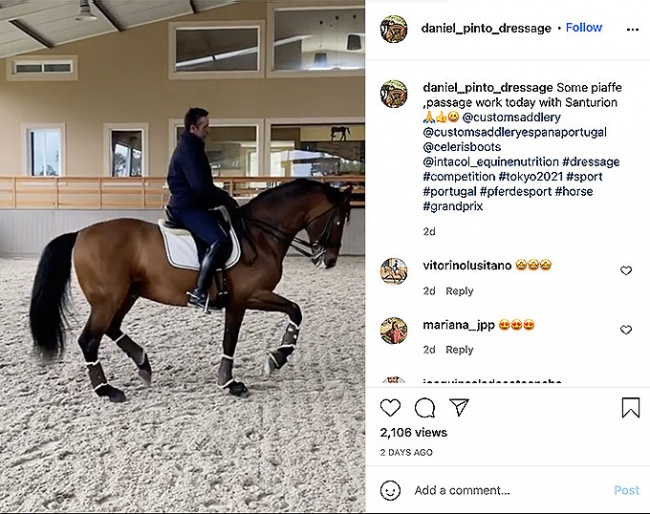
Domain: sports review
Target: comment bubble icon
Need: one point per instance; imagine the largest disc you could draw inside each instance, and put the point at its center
(425, 408)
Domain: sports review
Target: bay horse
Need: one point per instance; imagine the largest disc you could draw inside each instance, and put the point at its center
(393, 31)
(121, 260)
(392, 96)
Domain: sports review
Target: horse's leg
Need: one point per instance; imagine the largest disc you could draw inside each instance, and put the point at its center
(91, 336)
(126, 344)
(268, 301)
(234, 318)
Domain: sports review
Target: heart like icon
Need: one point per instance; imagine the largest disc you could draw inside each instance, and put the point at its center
(390, 407)
(626, 329)
(626, 270)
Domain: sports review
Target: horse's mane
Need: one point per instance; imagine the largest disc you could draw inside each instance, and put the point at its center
(297, 187)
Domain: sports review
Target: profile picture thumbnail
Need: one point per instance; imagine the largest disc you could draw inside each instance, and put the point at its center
(393, 271)
(393, 331)
(393, 94)
(394, 380)
(393, 28)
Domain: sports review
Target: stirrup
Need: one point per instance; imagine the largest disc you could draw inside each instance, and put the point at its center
(197, 301)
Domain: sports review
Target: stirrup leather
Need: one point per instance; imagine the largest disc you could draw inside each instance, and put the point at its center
(222, 288)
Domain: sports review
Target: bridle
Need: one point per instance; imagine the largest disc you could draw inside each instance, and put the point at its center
(313, 250)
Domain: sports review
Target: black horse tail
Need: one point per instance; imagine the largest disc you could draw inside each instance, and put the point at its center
(50, 296)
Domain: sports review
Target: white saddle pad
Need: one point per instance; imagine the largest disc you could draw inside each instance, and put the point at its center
(182, 251)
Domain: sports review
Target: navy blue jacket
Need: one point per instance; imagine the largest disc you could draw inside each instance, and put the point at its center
(190, 177)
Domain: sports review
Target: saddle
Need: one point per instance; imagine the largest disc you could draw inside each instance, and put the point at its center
(234, 227)
(223, 217)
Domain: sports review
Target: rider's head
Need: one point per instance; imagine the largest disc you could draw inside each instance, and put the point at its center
(197, 122)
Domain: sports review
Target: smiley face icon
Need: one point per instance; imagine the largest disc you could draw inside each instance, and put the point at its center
(390, 490)
(453, 116)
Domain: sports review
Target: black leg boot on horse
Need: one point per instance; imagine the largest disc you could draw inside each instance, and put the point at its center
(212, 264)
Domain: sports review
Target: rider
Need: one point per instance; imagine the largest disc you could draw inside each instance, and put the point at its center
(193, 194)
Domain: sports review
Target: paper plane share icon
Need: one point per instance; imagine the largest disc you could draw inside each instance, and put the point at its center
(460, 404)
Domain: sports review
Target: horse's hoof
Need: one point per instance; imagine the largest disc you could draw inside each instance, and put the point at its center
(238, 389)
(270, 366)
(145, 376)
(115, 395)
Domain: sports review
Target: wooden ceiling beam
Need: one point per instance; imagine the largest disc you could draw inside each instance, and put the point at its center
(31, 33)
(108, 15)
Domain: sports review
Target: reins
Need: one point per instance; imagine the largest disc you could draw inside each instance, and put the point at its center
(295, 241)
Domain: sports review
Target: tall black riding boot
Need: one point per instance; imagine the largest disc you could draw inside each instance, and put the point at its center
(200, 296)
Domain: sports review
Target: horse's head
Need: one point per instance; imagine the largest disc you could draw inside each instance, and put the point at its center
(385, 91)
(325, 226)
(385, 25)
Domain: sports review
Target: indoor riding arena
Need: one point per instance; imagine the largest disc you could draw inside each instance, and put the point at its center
(92, 99)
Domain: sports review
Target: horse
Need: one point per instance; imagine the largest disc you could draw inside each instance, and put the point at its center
(120, 260)
(392, 31)
(342, 130)
(398, 275)
(392, 96)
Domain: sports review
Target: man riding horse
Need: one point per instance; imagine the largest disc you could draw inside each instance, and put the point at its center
(193, 195)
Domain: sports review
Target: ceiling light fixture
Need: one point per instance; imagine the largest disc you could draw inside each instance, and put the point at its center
(85, 13)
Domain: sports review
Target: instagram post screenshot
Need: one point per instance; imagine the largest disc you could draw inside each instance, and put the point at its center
(207, 305)
(506, 341)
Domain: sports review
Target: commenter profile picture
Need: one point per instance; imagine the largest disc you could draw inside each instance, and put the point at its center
(394, 380)
(393, 331)
(393, 28)
(393, 94)
(393, 271)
